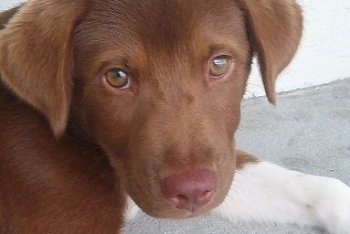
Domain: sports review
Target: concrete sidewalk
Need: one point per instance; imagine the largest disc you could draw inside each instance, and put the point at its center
(308, 131)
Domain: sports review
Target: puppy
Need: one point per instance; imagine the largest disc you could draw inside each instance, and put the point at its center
(101, 100)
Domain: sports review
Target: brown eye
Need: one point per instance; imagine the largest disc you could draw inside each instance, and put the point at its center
(118, 78)
(219, 66)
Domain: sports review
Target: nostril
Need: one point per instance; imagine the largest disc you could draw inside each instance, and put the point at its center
(190, 190)
(204, 197)
(207, 193)
(182, 198)
(180, 201)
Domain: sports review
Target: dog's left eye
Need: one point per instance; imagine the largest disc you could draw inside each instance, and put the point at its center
(219, 66)
(118, 78)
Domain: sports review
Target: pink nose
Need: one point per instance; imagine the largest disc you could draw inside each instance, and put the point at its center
(190, 190)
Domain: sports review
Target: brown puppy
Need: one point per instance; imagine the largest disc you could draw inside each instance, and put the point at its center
(100, 99)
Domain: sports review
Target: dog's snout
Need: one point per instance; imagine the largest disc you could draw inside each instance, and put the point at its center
(190, 190)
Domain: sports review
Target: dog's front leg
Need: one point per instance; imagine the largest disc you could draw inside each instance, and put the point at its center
(265, 192)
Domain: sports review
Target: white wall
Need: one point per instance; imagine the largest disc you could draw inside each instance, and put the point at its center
(8, 3)
(324, 54)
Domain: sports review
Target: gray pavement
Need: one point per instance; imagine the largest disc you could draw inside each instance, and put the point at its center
(308, 130)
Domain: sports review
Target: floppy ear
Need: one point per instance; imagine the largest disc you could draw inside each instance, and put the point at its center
(36, 58)
(274, 28)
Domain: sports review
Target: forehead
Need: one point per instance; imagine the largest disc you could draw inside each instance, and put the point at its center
(159, 26)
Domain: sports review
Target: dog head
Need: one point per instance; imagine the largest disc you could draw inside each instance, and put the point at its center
(156, 84)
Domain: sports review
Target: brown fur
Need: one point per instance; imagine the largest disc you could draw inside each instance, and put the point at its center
(6, 15)
(72, 147)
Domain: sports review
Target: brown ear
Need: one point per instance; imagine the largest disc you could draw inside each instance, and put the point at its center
(275, 29)
(36, 60)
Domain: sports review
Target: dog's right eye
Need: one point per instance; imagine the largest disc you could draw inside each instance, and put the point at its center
(118, 78)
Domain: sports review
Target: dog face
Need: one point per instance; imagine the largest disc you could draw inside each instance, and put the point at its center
(156, 84)
(152, 96)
